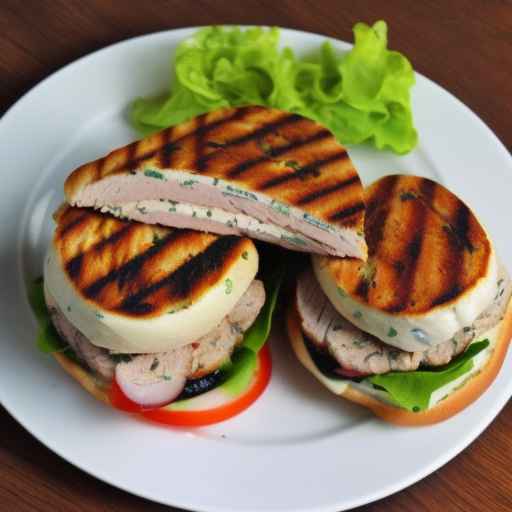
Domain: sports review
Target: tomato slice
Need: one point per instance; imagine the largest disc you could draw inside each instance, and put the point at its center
(230, 407)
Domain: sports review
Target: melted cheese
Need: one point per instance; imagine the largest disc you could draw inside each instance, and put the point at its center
(412, 332)
(170, 330)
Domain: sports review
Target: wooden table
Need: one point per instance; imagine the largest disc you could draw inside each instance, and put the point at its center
(465, 46)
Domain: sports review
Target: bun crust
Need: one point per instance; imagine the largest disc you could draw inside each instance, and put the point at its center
(447, 408)
(95, 387)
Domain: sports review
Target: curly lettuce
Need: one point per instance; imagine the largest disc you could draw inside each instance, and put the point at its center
(361, 96)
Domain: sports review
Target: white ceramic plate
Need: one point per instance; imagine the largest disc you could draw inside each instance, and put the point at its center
(299, 447)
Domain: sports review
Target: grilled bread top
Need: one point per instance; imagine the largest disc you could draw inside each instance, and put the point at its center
(133, 287)
(285, 156)
(427, 256)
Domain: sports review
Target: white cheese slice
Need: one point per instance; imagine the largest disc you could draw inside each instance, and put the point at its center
(171, 329)
(412, 332)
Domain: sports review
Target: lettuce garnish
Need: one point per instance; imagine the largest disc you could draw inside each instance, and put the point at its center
(412, 390)
(361, 96)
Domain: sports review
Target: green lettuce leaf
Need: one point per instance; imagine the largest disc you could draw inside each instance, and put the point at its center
(256, 336)
(363, 95)
(240, 372)
(239, 369)
(47, 339)
(412, 390)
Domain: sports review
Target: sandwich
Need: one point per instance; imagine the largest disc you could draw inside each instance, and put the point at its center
(155, 319)
(418, 331)
(249, 171)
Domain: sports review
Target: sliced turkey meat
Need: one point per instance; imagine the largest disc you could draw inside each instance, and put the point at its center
(247, 308)
(212, 350)
(94, 357)
(155, 379)
(356, 350)
(260, 172)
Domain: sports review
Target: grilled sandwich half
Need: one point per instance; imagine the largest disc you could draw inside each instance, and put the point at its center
(431, 267)
(254, 171)
(418, 331)
(136, 288)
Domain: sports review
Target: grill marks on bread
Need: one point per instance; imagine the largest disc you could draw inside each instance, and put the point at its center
(292, 159)
(137, 269)
(425, 248)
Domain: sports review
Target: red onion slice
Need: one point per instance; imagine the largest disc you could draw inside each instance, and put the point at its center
(154, 380)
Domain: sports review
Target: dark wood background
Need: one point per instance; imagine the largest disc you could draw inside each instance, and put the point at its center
(464, 45)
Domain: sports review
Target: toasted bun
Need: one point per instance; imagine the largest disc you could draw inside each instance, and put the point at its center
(455, 402)
(276, 158)
(136, 288)
(86, 379)
(431, 267)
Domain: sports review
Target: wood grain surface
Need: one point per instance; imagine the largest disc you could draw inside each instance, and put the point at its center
(465, 46)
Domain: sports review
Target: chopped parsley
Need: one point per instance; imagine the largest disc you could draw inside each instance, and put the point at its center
(310, 219)
(179, 308)
(245, 255)
(293, 164)
(341, 292)
(229, 286)
(238, 192)
(293, 240)
(156, 239)
(265, 147)
(151, 173)
(392, 332)
(280, 207)
(368, 271)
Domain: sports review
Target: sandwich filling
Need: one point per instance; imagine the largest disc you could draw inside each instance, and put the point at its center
(157, 378)
(341, 351)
